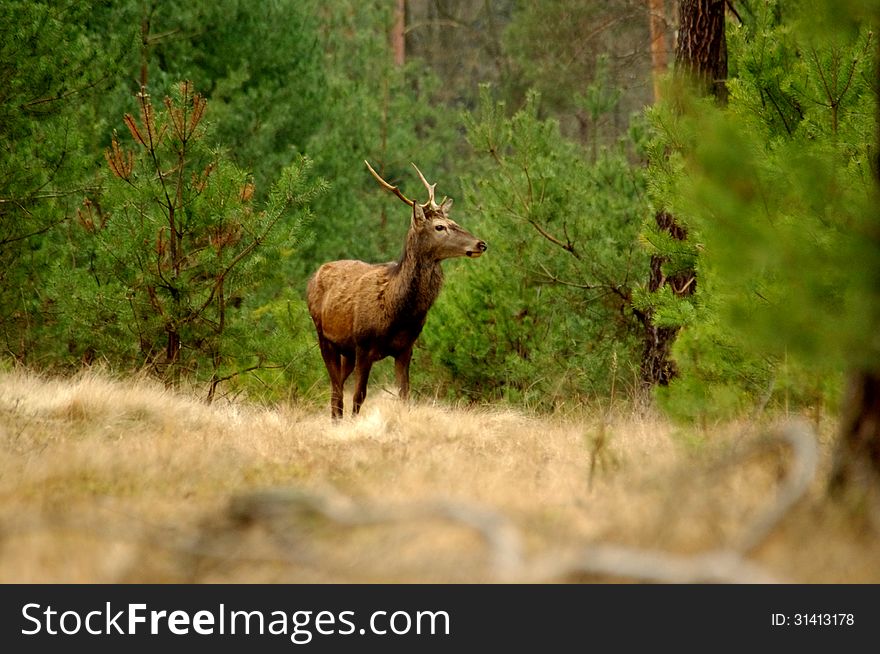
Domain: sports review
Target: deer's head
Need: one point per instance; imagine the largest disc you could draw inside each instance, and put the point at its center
(437, 235)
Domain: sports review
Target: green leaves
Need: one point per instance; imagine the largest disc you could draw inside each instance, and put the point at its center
(52, 68)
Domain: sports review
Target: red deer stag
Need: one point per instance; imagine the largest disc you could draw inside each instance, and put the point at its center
(365, 312)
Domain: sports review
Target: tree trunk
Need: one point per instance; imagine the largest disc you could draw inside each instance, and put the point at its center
(172, 355)
(657, 364)
(657, 19)
(398, 33)
(701, 50)
(701, 53)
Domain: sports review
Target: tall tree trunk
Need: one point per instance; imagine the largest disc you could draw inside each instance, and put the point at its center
(701, 49)
(857, 459)
(657, 364)
(398, 33)
(701, 54)
(657, 20)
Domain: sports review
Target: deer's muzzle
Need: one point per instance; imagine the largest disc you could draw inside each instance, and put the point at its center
(479, 248)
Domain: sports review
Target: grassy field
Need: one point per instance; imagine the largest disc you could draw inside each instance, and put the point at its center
(122, 481)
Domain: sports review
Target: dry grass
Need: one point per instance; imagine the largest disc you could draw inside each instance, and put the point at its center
(109, 481)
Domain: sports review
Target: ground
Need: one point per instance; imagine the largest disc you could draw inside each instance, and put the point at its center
(112, 481)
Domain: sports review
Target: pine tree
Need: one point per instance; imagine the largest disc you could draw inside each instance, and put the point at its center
(779, 195)
(172, 244)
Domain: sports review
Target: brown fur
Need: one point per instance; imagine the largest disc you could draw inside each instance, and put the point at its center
(365, 312)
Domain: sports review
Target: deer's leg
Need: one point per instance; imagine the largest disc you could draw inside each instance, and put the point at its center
(401, 371)
(332, 360)
(362, 364)
(346, 368)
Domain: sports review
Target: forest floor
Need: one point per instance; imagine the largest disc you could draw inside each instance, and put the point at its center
(114, 481)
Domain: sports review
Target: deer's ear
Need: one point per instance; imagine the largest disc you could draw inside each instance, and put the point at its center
(446, 205)
(418, 213)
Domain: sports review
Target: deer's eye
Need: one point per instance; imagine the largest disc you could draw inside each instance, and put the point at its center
(440, 228)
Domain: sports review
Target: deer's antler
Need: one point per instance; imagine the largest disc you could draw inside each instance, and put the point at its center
(430, 187)
(389, 187)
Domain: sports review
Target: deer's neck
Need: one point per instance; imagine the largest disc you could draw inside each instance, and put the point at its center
(416, 284)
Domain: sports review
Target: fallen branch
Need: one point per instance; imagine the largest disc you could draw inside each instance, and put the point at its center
(715, 567)
(500, 535)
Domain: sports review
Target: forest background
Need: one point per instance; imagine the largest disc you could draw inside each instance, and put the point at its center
(707, 239)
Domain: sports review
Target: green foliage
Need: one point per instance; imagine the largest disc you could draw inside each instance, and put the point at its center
(579, 55)
(778, 197)
(378, 112)
(260, 68)
(544, 317)
(52, 67)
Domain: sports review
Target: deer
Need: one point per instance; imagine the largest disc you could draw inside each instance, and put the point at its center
(366, 312)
